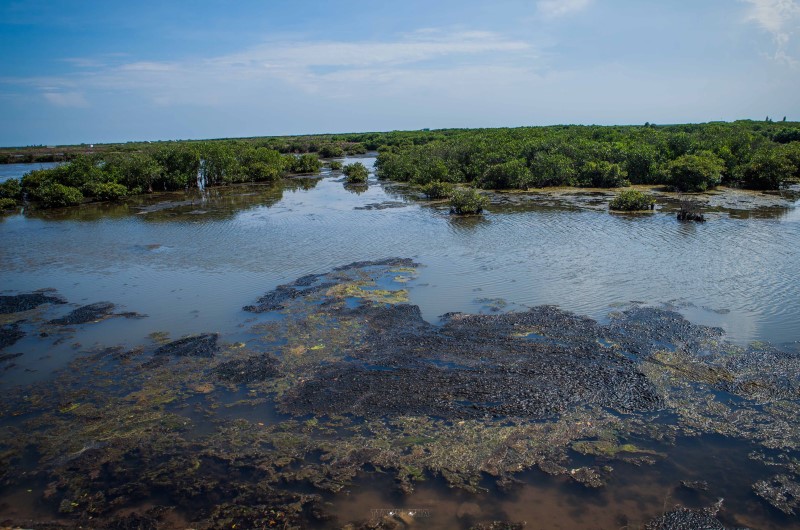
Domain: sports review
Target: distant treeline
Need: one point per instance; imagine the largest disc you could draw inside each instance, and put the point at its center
(114, 175)
(755, 155)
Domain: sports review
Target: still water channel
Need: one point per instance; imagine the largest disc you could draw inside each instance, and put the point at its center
(190, 263)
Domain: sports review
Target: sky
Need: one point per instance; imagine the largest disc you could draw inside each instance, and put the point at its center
(106, 71)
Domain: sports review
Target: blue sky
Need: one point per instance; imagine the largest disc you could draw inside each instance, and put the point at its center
(87, 71)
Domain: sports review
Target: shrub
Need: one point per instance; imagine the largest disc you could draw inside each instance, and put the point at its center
(631, 201)
(467, 201)
(11, 189)
(104, 191)
(768, 170)
(53, 195)
(604, 174)
(331, 151)
(356, 149)
(356, 173)
(437, 190)
(336, 165)
(306, 164)
(7, 203)
(508, 175)
(696, 172)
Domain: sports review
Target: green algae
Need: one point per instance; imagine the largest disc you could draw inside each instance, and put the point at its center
(115, 426)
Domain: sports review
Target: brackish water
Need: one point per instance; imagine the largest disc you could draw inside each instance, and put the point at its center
(190, 263)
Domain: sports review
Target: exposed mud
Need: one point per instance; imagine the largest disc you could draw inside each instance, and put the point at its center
(27, 301)
(189, 433)
(204, 345)
(10, 334)
(685, 519)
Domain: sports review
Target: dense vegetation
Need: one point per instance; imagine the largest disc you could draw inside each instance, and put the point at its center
(168, 167)
(757, 155)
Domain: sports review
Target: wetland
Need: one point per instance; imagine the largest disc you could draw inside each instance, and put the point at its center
(310, 353)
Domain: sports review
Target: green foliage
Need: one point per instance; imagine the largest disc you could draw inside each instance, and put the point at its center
(11, 189)
(696, 172)
(7, 203)
(604, 174)
(768, 170)
(306, 164)
(437, 190)
(336, 165)
(553, 169)
(331, 151)
(53, 195)
(356, 149)
(786, 135)
(356, 173)
(179, 165)
(631, 201)
(467, 202)
(104, 191)
(511, 174)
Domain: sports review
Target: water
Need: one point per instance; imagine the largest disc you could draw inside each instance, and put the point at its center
(192, 267)
(191, 262)
(16, 171)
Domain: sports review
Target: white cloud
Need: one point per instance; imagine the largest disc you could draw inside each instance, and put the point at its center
(558, 8)
(329, 67)
(781, 18)
(66, 99)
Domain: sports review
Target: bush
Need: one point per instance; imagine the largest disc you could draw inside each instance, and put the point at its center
(356, 149)
(467, 201)
(768, 170)
(604, 174)
(356, 173)
(632, 201)
(696, 172)
(11, 189)
(437, 190)
(104, 191)
(331, 151)
(53, 195)
(7, 204)
(306, 164)
(508, 175)
(336, 165)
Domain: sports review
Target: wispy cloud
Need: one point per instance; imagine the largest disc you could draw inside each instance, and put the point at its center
(322, 66)
(558, 8)
(66, 99)
(781, 18)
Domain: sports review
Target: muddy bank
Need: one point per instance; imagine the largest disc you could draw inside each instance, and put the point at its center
(723, 200)
(341, 381)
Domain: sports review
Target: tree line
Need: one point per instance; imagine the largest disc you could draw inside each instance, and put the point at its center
(695, 157)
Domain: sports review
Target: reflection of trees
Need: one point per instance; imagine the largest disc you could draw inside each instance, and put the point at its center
(218, 203)
(358, 189)
(301, 183)
(467, 223)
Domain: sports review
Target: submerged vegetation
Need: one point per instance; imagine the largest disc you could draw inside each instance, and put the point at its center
(346, 379)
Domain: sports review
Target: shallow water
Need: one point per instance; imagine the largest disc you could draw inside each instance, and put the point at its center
(192, 262)
(192, 267)
(17, 171)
